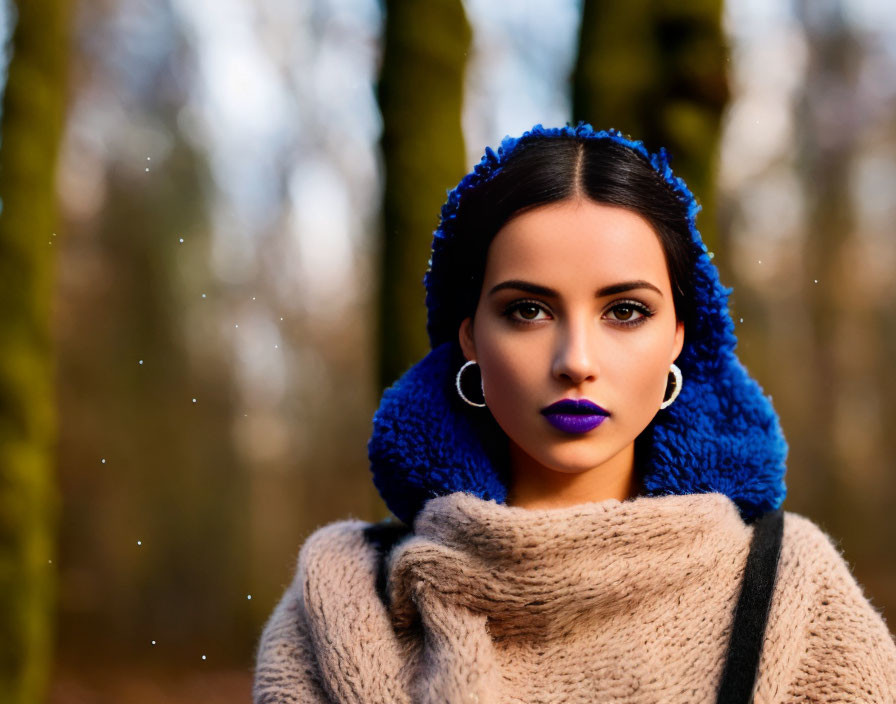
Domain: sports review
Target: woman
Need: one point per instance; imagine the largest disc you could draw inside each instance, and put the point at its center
(593, 480)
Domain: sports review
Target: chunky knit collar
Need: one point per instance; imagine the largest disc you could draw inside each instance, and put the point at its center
(721, 435)
(626, 602)
(629, 600)
(540, 571)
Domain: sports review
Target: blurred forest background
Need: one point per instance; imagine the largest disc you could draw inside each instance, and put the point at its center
(202, 201)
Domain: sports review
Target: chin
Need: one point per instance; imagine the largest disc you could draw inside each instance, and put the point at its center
(573, 462)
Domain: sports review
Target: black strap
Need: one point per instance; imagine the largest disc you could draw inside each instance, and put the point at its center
(383, 536)
(751, 612)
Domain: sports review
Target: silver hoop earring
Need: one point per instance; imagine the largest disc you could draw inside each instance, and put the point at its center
(677, 382)
(460, 391)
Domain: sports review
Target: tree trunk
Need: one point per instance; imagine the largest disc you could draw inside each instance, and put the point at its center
(657, 71)
(33, 107)
(420, 94)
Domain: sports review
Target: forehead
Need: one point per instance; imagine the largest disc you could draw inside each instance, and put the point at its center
(577, 242)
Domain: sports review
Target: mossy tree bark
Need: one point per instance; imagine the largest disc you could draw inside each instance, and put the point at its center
(33, 108)
(420, 95)
(657, 71)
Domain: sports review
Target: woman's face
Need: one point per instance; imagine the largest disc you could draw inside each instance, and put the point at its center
(576, 304)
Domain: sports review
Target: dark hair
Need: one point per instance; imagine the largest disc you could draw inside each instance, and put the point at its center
(549, 170)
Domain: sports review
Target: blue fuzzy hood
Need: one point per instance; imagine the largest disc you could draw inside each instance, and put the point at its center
(720, 435)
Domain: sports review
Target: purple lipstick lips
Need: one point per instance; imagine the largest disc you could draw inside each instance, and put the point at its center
(575, 416)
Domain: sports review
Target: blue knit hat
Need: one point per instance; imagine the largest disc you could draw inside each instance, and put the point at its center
(720, 435)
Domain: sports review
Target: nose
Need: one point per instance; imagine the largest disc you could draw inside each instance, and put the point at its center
(575, 357)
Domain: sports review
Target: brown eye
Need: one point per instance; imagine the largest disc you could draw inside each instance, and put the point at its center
(525, 312)
(528, 308)
(629, 313)
(623, 312)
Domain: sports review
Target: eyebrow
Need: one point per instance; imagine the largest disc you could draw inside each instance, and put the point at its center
(551, 293)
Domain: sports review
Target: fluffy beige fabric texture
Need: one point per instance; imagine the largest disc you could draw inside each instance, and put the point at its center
(614, 601)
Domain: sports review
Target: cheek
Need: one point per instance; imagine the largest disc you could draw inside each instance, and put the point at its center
(516, 369)
(509, 370)
(639, 371)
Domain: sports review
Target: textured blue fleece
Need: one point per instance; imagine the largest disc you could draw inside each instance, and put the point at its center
(720, 435)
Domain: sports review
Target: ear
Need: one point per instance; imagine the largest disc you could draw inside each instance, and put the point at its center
(465, 337)
(679, 340)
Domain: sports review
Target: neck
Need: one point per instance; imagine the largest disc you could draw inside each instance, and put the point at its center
(535, 486)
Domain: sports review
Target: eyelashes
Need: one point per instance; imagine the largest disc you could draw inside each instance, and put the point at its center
(623, 310)
(522, 305)
(644, 312)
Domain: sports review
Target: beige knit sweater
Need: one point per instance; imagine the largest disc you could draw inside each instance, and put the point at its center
(616, 601)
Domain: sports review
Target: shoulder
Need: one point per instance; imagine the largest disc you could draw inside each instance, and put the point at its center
(333, 583)
(341, 541)
(328, 550)
(824, 632)
(814, 560)
(348, 545)
(286, 663)
(816, 557)
(345, 560)
(807, 547)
